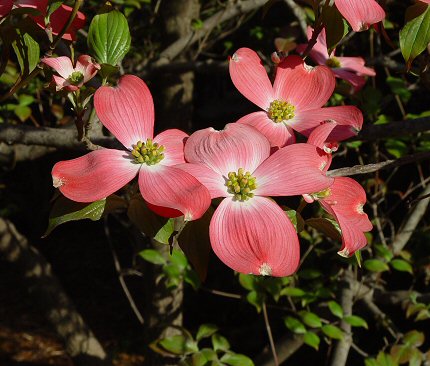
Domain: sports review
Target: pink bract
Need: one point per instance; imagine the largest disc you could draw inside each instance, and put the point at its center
(293, 102)
(360, 14)
(128, 112)
(6, 5)
(344, 200)
(5, 8)
(249, 232)
(72, 78)
(351, 69)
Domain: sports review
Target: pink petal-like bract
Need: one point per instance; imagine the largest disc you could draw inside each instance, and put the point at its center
(87, 67)
(250, 77)
(126, 110)
(355, 64)
(61, 83)
(170, 187)
(349, 121)
(303, 86)
(173, 141)
(63, 65)
(95, 175)
(40, 5)
(357, 81)
(255, 237)
(236, 146)
(293, 170)
(360, 14)
(345, 202)
(279, 134)
(5, 8)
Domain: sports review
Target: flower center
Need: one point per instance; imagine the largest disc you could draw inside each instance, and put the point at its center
(76, 77)
(147, 152)
(320, 195)
(280, 111)
(333, 62)
(241, 184)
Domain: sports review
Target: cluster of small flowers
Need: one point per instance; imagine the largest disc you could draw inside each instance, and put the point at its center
(246, 163)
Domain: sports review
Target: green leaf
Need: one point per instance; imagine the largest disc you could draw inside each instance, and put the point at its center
(293, 292)
(414, 338)
(384, 252)
(296, 219)
(247, 281)
(206, 330)
(27, 51)
(109, 37)
(375, 265)
(194, 241)
(396, 148)
(198, 359)
(255, 298)
(398, 86)
(220, 343)
(179, 259)
(295, 325)
(311, 339)
(209, 353)
(175, 344)
(153, 256)
(326, 227)
(356, 321)
(415, 36)
(22, 112)
(385, 360)
(401, 265)
(65, 210)
(335, 309)
(163, 235)
(234, 359)
(335, 28)
(310, 319)
(332, 331)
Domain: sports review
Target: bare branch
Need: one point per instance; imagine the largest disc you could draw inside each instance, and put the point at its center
(232, 10)
(370, 168)
(395, 129)
(299, 13)
(285, 347)
(46, 136)
(417, 213)
(341, 351)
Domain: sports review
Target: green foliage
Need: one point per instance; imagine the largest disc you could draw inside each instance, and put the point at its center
(65, 210)
(356, 321)
(109, 37)
(332, 331)
(294, 325)
(191, 354)
(27, 50)
(415, 36)
(375, 265)
(335, 309)
(312, 339)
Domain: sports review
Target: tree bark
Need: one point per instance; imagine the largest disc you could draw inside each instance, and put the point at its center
(47, 293)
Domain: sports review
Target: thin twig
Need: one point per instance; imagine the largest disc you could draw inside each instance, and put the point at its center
(119, 271)
(269, 334)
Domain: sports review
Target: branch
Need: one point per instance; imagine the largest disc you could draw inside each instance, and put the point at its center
(403, 236)
(395, 129)
(370, 168)
(343, 346)
(299, 13)
(46, 136)
(232, 10)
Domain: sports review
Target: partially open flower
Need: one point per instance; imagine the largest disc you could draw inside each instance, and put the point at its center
(351, 69)
(72, 78)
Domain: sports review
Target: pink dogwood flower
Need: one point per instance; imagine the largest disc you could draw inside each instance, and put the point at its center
(344, 200)
(128, 112)
(7, 5)
(293, 102)
(351, 69)
(58, 20)
(360, 14)
(249, 232)
(72, 78)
